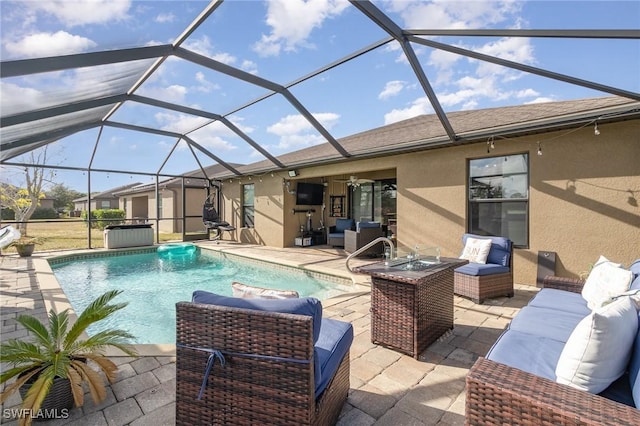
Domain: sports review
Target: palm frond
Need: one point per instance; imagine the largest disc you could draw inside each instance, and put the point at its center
(10, 389)
(103, 339)
(93, 379)
(36, 327)
(107, 366)
(96, 311)
(18, 352)
(76, 387)
(38, 391)
(58, 325)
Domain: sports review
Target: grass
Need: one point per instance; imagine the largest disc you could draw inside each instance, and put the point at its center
(69, 234)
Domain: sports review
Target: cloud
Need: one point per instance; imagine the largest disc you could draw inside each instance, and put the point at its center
(392, 88)
(296, 132)
(214, 136)
(292, 22)
(83, 12)
(49, 44)
(205, 86)
(419, 106)
(165, 17)
(174, 93)
(453, 14)
(540, 100)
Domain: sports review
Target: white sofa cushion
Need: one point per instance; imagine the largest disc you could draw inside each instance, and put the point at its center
(476, 250)
(606, 280)
(599, 348)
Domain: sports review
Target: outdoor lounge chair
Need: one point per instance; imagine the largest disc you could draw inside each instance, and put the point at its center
(479, 281)
(211, 220)
(365, 233)
(335, 238)
(259, 361)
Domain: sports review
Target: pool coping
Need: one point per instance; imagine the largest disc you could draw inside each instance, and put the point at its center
(55, 298)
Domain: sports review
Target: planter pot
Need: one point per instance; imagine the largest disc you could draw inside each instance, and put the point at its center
(59, 397)
(25, 250)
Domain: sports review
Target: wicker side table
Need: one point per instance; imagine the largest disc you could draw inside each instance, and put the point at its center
(411, 309)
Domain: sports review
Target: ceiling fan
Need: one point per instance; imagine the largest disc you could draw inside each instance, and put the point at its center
(354, 182)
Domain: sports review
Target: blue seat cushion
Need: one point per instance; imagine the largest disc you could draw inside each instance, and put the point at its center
(635, 269)
(334, 342)
(560, 300)
(523, 351)
(478, 269)
(546, 322)
(309, 306)
(336, 235)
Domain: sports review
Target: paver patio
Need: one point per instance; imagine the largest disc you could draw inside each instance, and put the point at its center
(387, 387)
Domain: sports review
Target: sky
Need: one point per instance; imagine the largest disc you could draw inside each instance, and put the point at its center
(282, 41)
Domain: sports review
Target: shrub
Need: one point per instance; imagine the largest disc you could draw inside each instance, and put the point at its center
(8, 214)
(44, 213)
(101, 218)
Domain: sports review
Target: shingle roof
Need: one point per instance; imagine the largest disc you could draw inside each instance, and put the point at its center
(425, 131)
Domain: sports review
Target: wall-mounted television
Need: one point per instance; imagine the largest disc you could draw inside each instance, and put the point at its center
(309, 194)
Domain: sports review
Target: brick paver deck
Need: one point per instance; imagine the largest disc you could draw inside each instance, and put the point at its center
(387, 388)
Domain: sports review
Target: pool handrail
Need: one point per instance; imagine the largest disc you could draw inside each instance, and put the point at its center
(392, 250)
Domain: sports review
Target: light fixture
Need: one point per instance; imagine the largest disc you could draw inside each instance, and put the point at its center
(539, 148)
(596, 131)
(293, 173)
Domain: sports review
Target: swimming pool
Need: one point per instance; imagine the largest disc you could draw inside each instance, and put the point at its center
(152, 285)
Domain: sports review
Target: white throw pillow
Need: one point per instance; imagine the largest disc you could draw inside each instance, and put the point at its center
(606, 280)
(249, 292)
(476, 250)
(598, 350)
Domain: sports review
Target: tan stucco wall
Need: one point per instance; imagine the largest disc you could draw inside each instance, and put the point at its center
(584, 197)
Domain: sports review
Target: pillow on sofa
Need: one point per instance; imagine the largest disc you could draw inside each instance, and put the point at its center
(599, 348)
(249, 292)
(606, 280)
(476, 250)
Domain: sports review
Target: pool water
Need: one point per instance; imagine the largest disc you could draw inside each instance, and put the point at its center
(153, 284)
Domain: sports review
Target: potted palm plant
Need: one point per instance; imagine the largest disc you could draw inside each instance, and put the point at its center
(61, 359)
(25, 245)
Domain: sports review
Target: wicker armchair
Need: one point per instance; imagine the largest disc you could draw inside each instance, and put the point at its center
(365, 233)
(478, 285)
(498, 394)
(262, 369)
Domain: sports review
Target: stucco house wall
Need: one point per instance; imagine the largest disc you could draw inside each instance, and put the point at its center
(583, 197)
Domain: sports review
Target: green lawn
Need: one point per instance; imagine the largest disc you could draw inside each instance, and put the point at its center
(65, 234)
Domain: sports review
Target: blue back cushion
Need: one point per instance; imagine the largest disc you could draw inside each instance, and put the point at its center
(635, 269)
(362, 225)
(344, 224)
(500, 248)
(303, 306)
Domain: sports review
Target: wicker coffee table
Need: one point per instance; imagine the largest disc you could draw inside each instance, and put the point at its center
(410, 309)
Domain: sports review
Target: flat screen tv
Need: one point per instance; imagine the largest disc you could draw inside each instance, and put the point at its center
(309, 194)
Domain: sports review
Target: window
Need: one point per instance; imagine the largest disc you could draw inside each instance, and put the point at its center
(105, 204)
(248, 210)
(374, 201)
(499, 197)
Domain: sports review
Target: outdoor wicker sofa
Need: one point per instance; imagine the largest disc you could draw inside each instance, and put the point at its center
(515, 383)
(259, 361)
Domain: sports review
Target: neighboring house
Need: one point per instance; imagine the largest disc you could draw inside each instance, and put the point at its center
(101, 200)
(539, 174)
(140, 201)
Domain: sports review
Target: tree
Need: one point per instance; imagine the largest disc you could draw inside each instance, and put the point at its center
(24, 200)
(63, 196)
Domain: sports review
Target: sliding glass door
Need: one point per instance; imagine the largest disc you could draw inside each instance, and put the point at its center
(374, 201)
